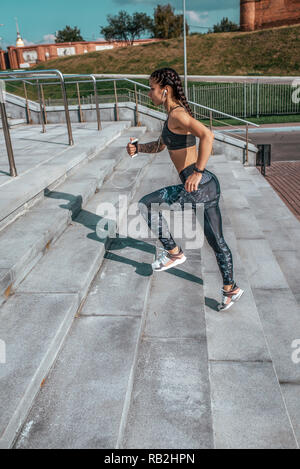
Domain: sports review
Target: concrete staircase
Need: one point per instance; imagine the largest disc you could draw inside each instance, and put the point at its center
(104, 353)
(13, 122)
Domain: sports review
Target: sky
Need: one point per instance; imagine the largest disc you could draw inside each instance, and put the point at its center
(38, 21)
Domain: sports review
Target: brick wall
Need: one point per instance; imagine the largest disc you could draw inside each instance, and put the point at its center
(26, 57)
(260, 14)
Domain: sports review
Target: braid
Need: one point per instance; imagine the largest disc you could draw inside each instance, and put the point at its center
(169, 76)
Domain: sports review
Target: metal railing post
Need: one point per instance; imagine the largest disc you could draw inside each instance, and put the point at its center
(29, 119)
(64, 93)
(210, 127)
(96, 103)
(116, 100)
(136, 108)
(257, 99)
(247, 142)
(41, 107)
(245, 98)
(10, 153)
(79, 103)
(44, 105)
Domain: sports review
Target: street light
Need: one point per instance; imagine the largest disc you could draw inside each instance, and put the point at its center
(185, 59)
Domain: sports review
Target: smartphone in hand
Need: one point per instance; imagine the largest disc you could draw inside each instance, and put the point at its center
(135, 143)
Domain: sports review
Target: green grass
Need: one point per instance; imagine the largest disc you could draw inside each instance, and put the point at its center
(273, 51)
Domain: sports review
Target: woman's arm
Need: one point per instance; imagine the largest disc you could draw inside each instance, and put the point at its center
(187, 123)
(152, 147)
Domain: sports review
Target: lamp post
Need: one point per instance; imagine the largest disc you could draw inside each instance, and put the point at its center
(184, 46)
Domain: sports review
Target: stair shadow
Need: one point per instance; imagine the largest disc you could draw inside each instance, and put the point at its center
(6, 173)
(211, 303)
(90, 220)
(42, 141)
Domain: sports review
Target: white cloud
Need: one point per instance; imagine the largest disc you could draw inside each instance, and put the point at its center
(197, 18)
(28, 43)
(48, 38)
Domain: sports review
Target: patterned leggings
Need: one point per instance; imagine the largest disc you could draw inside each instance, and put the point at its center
(207, 193)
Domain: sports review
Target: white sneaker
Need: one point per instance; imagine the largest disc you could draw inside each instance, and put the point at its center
(230, 297)
(166, 260)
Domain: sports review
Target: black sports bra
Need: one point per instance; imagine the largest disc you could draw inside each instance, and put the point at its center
(177, 141)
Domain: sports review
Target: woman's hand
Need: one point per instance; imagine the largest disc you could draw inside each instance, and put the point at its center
(191, 184)
(131, 149)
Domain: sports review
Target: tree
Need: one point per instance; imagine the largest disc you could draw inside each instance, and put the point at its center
(68, 35)
(166, 24)
(224, 26)
(123, 27)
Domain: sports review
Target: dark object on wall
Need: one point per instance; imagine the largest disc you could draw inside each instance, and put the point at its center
(263, 156)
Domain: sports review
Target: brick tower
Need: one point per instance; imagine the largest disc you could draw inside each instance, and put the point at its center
(247, 15)
(261, 14)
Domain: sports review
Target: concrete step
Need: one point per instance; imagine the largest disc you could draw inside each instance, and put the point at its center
(146, 338)
(265, 215)
(24, 242)
(171, 371)
(128, 329)
(277, 303)
(102, 314)
(13, 122)
(48, 164)
(241, 370)
(205, 383)
(59, 281)
(278, 310)
(279, 225)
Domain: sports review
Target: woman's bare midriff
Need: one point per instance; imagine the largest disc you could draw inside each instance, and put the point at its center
(184, 157)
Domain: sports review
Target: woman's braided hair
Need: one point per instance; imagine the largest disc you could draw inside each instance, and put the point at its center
(169, 76)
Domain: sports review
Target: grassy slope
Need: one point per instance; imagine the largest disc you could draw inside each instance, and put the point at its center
(274, 51)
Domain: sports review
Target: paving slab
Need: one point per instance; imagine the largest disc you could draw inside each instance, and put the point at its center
(170, 404)
(83, 409)
(247, 407)
(60, 270)
(236, 334)
(18, 190)
(175, 304)
(125, 271)
(262, 268)
(32, 327)
(291, 393)
(23, 242)
(280, 316)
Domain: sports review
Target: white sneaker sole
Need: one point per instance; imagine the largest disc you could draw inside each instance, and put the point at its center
(178, 261)
(238, 296)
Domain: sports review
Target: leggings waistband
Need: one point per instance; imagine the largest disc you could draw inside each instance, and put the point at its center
(186, 172)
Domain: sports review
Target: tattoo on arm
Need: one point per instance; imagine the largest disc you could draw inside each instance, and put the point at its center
(151, 147)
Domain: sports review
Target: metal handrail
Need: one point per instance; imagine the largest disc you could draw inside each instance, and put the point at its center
(35, 75)
(211, 110)
(81, 75)
(148, 87)
(12, 167)
(41, 74)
